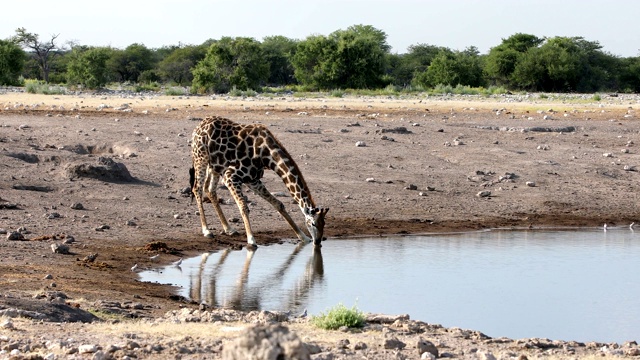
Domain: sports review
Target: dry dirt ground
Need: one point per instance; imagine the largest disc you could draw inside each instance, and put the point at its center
(540, 161)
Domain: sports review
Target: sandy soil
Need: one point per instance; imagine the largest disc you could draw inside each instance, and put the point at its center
(541, 163)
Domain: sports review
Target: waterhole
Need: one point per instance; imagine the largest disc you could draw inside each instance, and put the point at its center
(564, 285)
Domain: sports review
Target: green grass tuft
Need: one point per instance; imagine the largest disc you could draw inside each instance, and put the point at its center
(339, 316)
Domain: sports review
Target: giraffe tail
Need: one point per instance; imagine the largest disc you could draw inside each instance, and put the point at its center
(192, 180)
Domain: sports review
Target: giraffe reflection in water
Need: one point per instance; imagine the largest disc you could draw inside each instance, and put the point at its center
(203, 284)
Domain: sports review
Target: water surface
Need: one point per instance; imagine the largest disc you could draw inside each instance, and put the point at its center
(563, 285)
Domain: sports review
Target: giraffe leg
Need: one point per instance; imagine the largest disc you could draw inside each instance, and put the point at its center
(259, 188)
(210, 189)
(234, 184)
(198, 189)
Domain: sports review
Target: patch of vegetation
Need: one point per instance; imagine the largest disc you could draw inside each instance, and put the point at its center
(152, 86)
(38, 87)
(339, 316)
(596, 97)
(175, 91)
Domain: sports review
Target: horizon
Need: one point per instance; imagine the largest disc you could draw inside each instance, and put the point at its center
(458, 25)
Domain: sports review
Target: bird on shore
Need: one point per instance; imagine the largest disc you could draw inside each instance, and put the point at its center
(134, 267)
(154, 257)
(631, 225)
(605, 227)
(178, 263)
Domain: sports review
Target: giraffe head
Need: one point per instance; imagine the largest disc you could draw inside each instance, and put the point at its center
(314, 218)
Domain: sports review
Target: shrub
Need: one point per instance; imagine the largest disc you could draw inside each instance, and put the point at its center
(596, 97)
(339, 316)
(37, 87)
(175, 91)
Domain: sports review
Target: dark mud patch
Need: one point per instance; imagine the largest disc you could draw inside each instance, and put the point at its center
(105, 169)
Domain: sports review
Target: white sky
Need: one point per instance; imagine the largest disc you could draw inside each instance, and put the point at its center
(455, 24)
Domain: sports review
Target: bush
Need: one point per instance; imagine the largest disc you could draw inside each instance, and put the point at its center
(339, 316)
(175, 91)
(596, 97)
(37, 87)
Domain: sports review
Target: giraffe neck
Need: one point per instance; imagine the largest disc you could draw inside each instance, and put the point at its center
(283, 165)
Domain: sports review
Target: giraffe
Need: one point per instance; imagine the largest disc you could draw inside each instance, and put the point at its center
(239, 153)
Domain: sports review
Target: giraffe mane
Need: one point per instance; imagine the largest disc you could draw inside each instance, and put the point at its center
(293, 163)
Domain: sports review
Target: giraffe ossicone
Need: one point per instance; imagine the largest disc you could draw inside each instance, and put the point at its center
(239, 153)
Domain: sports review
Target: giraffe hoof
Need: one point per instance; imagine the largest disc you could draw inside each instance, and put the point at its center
(252, 247)
(209, 235)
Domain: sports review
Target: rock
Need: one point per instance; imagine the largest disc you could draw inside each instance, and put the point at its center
(360, 144)
(531, 183)
(411, 187)
(77, 206)
(268, 342)
(393, 344)
(427, 355)
(87, 349)
(59, 248)
(15, 236)
(485, 355)
(370, 180)
(426, 346)
(7, 324)
(484, 193)
(106, 169)
(68, 239)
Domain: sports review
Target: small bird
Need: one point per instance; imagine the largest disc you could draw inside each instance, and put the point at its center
(605, 227)
(631, 225)
(304, 314)
(177, 263)
(134, 267)
(154, 257)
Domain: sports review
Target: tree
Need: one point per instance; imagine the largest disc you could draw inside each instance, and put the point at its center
(353, 58)
(43, 51)
(278, 51)
(502, 60)
(178, 65)
(416, 61)
(88, 66)
(231, 62)
(12, 59)
(130, 63)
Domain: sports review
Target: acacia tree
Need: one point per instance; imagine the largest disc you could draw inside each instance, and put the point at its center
(88, 66)
(130, 63)
(11, 62)
(44, 52)
(178, 65)
(501, 61)
(278, 51)
(353, 58)
(231, 62)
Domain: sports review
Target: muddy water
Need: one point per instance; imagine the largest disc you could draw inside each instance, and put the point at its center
(565, 285)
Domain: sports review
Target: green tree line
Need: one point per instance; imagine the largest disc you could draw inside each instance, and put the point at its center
(356, 58)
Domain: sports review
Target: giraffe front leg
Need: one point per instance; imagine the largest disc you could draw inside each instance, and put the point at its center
(234, 184)
(259, 188)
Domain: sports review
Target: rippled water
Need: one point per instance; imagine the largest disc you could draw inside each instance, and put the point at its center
(563, 285)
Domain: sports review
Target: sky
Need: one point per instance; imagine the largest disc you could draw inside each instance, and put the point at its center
(455, 24)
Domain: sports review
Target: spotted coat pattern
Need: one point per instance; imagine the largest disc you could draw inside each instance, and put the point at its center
(239, 154)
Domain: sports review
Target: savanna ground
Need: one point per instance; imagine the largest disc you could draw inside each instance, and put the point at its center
(541, 161)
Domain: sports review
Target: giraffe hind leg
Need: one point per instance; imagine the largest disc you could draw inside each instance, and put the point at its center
(198, 189)
(210, 188)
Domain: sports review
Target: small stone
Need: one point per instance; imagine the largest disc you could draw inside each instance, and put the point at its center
(607, 155)
(59, 248)
(411, 187)
(427, 346)
(360, 144)
(77, 206)
(7, 324)
(629, 168)
(484, 193)
(15, 236)
(370, 180)
(394, 344)
(48, 277)
(87, 349)
(68, 239)
(531, 183)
